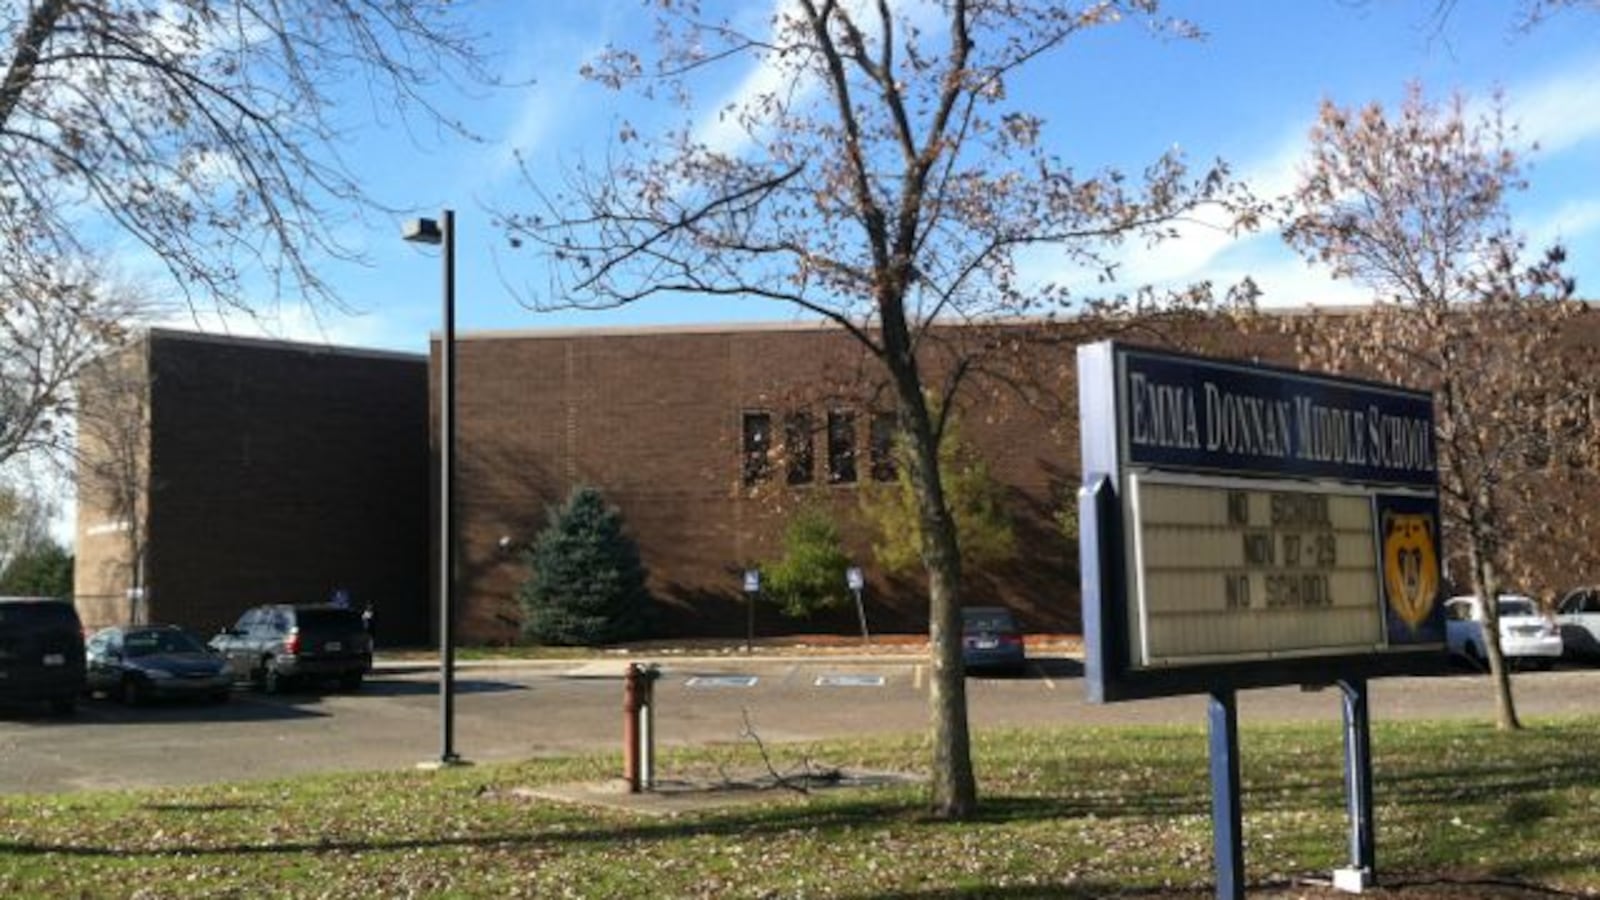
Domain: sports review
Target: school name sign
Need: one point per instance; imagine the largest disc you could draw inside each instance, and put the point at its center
(1246, 525)
(1188, 414)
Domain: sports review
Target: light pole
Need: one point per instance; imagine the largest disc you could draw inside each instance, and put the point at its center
(427, 231)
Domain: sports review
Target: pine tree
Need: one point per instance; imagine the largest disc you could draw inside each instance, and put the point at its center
(587, 585)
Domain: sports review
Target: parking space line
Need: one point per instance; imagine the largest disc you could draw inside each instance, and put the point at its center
(1048, 681)
(737, 681)
(916, 678)
(849, 681)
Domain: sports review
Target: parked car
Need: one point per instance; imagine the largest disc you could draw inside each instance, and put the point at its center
(1527, 635)
(991, 639)
(1578, 615)
(41, 652)
(276, 646)
(136, 663)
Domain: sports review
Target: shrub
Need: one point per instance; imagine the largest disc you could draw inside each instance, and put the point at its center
(810, 574)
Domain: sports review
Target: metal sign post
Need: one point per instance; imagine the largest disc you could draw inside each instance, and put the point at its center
(857, 582)
(1227, 821)
(752, 587)
(1358, 876)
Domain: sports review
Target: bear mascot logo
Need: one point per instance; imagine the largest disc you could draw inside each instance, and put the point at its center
(1410, 566)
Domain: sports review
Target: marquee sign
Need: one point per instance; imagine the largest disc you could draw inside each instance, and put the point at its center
(1245, 525)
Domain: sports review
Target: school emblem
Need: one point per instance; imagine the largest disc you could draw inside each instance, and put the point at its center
(1410, 566)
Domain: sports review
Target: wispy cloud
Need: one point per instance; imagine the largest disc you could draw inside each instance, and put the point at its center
(721, 127)
(1558, 111)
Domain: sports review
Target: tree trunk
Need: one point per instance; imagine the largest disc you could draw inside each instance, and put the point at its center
(26, 53)
(1487, 586)
(955, 791)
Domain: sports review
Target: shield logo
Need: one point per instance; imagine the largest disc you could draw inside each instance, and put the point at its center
(1410, 566)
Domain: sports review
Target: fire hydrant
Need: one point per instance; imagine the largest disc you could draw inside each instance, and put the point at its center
(638, 726)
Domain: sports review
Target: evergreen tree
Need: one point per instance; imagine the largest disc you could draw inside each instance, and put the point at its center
(41, 570)
(811, 573)
(587, 585)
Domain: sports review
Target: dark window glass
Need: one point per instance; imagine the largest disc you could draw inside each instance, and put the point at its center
(797, 448)
(883, 431)
(841, 447)
(757, 446)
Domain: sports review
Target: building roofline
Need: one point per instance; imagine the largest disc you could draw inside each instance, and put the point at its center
(761, 327)
(687, 328)
(265, 343)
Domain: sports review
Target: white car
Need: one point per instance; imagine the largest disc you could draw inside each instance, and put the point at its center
(1527, 636)
(1578, 614)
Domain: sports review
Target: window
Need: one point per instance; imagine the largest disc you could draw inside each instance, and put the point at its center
(757, 446)
(841, 446)
(883, 434)
(797, 448)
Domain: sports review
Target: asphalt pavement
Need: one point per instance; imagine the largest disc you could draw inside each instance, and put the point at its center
(509, 710)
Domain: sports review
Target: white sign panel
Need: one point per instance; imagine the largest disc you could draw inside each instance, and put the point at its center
(1256, 570)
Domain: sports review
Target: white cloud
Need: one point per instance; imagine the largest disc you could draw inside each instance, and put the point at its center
(293, 322)
(1567, 222)
(1558, 111)
(720, 128)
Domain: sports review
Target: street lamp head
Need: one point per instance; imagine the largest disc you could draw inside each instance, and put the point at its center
(422, 231)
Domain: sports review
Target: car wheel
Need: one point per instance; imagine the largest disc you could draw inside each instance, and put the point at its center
(1476, 659)
(272, 680)
(64, 706)
(350, 681)
(134, 692)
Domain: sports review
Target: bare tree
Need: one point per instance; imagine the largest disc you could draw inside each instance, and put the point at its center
(55, 316)
(204, 130)
(1413, 205)
(872, 174)
(113, 475)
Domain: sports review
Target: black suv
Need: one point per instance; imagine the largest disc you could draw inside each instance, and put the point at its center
(41, 652)
(275, 646)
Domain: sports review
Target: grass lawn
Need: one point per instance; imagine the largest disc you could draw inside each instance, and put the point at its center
(1066, 813)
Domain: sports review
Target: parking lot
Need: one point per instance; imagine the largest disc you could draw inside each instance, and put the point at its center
(513, 711)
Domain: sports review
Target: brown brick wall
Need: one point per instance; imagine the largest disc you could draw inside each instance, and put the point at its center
(654, 420)
(281, 471)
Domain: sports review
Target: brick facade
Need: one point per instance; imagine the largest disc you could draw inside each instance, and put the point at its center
(654, 418)
(276, 473)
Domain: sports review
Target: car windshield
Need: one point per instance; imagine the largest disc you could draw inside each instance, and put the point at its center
(1516, 606)
(150, 643)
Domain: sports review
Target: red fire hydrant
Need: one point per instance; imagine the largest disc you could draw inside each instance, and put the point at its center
(638, 726)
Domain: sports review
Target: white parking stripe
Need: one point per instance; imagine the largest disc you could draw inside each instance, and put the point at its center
(849, 681)
(740, 681)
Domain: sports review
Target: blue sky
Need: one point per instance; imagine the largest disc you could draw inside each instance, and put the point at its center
(1119, 97)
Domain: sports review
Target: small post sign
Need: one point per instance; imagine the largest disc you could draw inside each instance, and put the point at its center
(752, 588)
(856, 581)
(1247, 526)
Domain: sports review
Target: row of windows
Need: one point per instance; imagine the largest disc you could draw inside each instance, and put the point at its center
(799, 457)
